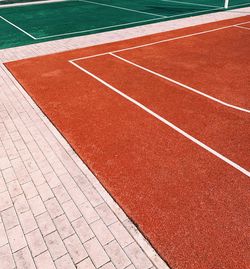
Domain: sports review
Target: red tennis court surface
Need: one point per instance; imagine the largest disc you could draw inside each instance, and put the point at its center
(163, 122)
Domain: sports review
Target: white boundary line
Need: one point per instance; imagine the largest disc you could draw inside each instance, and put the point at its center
(238, 167)
(30, 3)
(180, 84)
(123, 8)
(20, 29)
(242, 27)
(190, 3)
(240, 5)
(160, 17)
(96, 29)
(152, 113)
(159, 42)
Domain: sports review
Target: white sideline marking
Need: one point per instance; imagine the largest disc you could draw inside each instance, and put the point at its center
(118, 25)
(188, 136)
(159, 17)
(159, 42)
(20, 29)
(180, 84)
(242, 27)
(124, 8)
(30, 3)
(189, 3)
(95, 29)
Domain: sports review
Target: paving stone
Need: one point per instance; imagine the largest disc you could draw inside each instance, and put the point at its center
(137, 256)
(36, 242)
(5, 201)
(6, 258)
(106, 214)
(93, 196)
(108, 266)
(29, 190)
(44, 261)
(117, 255)
(45, 192)
(121, 234)
(75, 248)
(45, 223)
(3, 236)
(88, 212)
(36, 205)
(77, 196)
(27, 221)
(16, 238)
(61, 194)
(63, 226)
(55, 245)
(102, 232)
(24, 259)
(96, 252)
(82, 229)
(14, 188)
(4, 163)
(52, 179)
(64, 262)
(54, 208)
(86, 264)
(38, 177)
(9, 174)
(2, 184)
(71, 210)
(9, 217)
(20, 204)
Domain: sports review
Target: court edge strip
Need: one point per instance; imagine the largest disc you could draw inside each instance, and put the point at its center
(159, 18)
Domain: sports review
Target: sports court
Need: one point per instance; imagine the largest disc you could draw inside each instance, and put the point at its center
(125, 145)
(45, 21)
(158, 123)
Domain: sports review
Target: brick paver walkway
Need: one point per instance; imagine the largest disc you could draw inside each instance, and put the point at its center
(53, 212)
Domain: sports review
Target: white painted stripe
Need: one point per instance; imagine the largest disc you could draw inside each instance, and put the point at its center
(96, 29)
(123, 8)
(242, 27)
(159, 42)
(152, 113)
(181, 84)
(30, 3)
(189, 3)
(124, 24)
(20, 29)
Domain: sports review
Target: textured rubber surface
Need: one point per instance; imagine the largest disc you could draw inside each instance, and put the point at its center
(192, 206)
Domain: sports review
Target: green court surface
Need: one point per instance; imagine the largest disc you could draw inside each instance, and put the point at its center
(21, 25)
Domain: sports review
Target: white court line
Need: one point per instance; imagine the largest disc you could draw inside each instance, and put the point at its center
(101, 28)
(31, 3)
(180, 84)
(20, 29)
(152, 113)
(159, 42)
(189, 3)
(160, 17)
(240, 5)
(242, 27)
(123, 8)
(118, 25)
